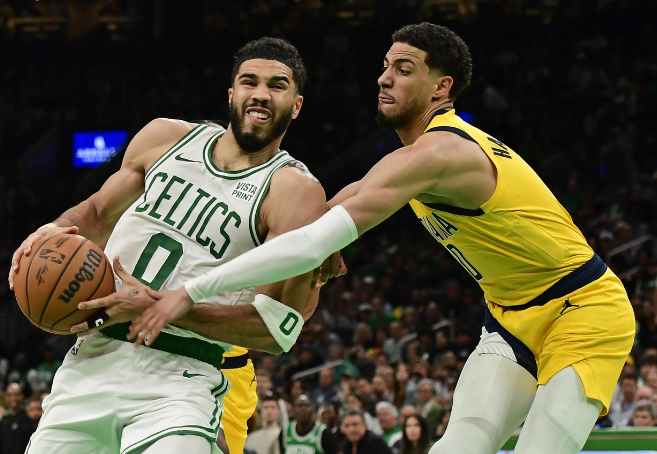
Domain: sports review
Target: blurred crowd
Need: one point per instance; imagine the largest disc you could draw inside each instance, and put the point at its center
(573, 90)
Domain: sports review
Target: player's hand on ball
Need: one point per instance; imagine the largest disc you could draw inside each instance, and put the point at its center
(42, 234)
(123, 306)
(169, 307)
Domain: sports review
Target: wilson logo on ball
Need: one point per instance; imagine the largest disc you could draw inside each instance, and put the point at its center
(85, 273)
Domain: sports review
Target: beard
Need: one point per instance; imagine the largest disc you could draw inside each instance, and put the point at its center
(400, 119)
(252, 142)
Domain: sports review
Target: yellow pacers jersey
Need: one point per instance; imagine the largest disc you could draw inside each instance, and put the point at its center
(236, 351)
(521, 241)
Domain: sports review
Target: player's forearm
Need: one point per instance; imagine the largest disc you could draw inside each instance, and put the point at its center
(288, 255)
(85, 216)
(238, 325)
(345, 193)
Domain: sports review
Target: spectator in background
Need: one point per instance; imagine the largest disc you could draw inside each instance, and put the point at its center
(4, 371)
(425, 395)
(16, 427)
(405, 412)
(34, 411)
(359, 439)
(380, 388)
(264, 391)
(380, 318)
(651, 380)
(329, 415)
(19, 374)
(645, 414)
(415, 436)
(388, 416)
(647, 363)
(41, 377)
(326, 391)
(444, 421)
(355, 402)
(305, 434)
(267, 439)
(621, 410)
(392, 346)
(645, 393)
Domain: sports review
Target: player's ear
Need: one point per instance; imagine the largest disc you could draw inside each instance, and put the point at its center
(297, 106)
(230, 95)
(442, 87)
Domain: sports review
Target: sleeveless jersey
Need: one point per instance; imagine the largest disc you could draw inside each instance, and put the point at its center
(192, 218)
(521, 241)
(311, 443)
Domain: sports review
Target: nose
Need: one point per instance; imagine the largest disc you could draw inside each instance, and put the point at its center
(261, 94)
(385, 79)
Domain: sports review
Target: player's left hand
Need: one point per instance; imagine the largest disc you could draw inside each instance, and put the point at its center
(122, 306)
(333, 266)
(169, 307)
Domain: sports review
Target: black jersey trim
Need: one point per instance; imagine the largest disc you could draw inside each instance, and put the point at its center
(458, 131)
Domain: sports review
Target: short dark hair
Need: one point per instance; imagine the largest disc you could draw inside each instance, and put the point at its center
(446, 51)
(354, 412)
(628, 377)
(273, 49)
(270, 398)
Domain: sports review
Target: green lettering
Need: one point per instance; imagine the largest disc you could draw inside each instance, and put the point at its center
(167, 218)
(222, 251)
(200, 216)
(201, 194)
(144, 206)
(206, 241)
(164, 196)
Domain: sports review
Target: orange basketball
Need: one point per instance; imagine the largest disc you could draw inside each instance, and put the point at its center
(59, 273)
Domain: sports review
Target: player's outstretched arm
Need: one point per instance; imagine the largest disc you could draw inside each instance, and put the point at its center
(273, 321)
(95, 217)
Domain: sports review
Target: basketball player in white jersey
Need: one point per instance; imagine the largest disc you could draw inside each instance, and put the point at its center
(186, 199)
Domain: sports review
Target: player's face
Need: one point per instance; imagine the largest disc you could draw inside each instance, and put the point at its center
(406, 86)
(263, 101)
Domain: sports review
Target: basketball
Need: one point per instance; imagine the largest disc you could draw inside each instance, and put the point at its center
(61, 272)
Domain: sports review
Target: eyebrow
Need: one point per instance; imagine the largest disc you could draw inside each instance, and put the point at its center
(400, 60)
(273, 78)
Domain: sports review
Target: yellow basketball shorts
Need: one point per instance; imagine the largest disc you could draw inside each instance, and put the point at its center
(591, 329)
(239, 404)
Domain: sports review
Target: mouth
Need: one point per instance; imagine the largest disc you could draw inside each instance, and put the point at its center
(385, 99)
(258, 115)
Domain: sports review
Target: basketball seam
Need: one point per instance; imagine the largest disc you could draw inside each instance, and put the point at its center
(92, 294)
(27, 279)
(60, 278)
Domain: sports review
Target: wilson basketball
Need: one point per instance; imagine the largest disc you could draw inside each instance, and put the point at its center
(59, 273)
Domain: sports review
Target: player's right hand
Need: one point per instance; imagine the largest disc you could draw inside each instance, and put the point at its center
(42, 234)
(333, 266)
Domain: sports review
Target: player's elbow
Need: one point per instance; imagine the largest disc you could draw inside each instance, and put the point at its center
(273, 348)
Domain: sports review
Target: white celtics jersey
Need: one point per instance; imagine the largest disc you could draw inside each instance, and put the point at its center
(192, 218)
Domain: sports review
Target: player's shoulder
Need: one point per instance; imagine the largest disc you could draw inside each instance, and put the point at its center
(153, 140)
(163, 130)
(445, 150)
(293, 179)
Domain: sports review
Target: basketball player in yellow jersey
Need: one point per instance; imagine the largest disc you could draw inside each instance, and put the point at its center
(559, 325)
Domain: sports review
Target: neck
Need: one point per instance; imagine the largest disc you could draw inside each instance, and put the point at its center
(415, 128)
(15, 411)
(304, 427)
(227, 154)
(270, 424)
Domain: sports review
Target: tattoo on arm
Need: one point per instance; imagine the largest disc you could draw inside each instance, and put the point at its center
(133, 292)
(301, 168)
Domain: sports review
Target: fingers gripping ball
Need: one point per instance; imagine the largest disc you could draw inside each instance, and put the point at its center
(61, 272)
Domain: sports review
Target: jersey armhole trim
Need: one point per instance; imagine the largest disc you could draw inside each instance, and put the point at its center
(196, 130)
(260, 198)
